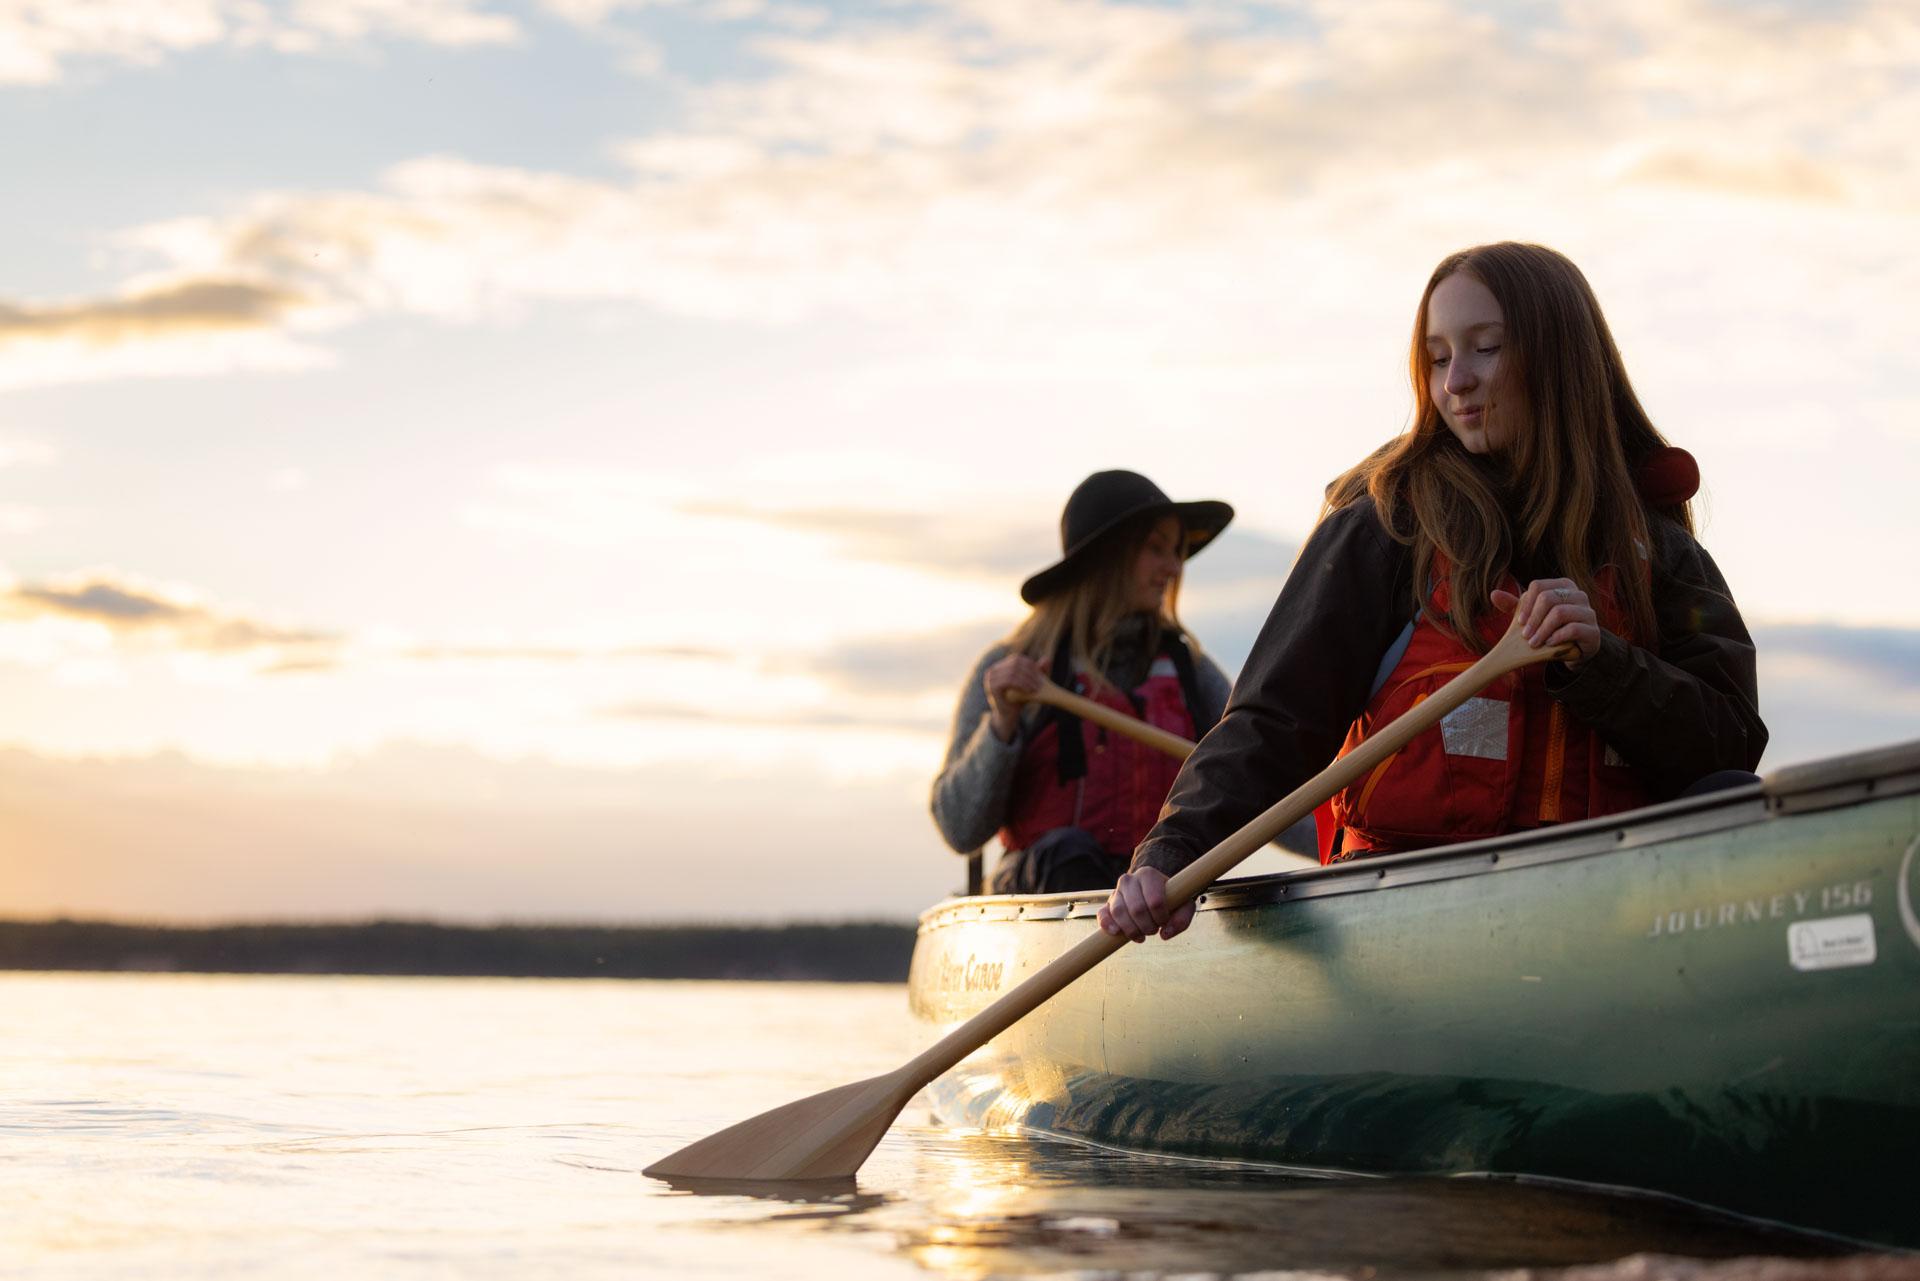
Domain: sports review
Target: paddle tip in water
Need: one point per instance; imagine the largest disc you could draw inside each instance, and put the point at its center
(822, 1137)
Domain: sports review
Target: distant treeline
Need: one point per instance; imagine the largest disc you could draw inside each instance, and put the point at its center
(854, 952)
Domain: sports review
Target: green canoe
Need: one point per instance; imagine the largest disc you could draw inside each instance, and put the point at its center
(1716, 999)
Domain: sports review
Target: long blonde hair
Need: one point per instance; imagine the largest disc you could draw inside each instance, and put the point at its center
(1088, 610)
(1568, 495)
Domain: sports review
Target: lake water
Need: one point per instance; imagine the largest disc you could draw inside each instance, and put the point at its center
(213, 1126)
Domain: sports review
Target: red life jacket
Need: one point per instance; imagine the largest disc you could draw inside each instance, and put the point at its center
(1111, 786)
(1511, 757)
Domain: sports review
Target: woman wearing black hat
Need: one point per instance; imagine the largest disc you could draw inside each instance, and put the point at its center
(1068, 800)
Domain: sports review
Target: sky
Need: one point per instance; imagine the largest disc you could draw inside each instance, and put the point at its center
(555, 461)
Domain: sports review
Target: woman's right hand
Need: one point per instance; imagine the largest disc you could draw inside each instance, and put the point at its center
(1014, 672)
(1138, 907)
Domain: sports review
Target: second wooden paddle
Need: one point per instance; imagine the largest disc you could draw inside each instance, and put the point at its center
(1100, 714)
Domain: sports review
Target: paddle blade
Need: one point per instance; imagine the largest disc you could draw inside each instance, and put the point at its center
(825, 1136)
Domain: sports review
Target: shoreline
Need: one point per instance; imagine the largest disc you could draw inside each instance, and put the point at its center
(849, 952)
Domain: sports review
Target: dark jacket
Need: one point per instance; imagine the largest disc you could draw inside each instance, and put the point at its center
(1681, 711)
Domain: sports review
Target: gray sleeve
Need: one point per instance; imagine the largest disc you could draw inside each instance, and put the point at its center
(970, 795)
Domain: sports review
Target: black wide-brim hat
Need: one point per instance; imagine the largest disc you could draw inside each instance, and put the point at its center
(1101, 504)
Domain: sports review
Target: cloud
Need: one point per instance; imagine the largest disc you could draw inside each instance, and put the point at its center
(900, 683)
(18, 453)
(1827, 690)
(556, 653)
(879, 718)
(416, 829)
(15, 519)
(1242, 557)
(185, 353)
(37, 37)
(143, 616)
(41, 39)
(171, 619)
(1224, 601)
(1151, 178)
(588, 13)
(184, 327)
(970, 543)
(1778, 175)
(950, 542)
(1887, 656)
(318, 24)
(180, 306)
(908, 664)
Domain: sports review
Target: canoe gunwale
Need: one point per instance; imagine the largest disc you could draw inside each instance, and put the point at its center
(1845, 780)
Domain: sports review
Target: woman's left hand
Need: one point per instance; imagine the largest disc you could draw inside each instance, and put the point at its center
(1553, 611)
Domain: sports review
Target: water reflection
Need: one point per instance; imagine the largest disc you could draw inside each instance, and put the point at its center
(969, 1205)
(1008, 1205)
(1026, 1207)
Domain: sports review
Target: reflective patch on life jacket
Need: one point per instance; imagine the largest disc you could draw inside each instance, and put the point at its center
(1478, 727)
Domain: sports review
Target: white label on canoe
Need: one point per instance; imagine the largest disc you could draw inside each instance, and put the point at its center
(1831, 943)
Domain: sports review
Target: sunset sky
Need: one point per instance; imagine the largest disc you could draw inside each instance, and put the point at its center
(556, 460)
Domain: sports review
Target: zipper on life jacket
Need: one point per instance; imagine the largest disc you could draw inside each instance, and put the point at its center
(1556, 764)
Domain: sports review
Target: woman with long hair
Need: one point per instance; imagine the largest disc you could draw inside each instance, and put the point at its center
(1530, 481)
(1069, 800)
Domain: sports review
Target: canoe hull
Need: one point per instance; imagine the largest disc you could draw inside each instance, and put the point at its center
(1717, 1000)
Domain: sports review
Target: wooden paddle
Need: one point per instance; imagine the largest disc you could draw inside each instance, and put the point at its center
(828, 1135)
(1100, 714)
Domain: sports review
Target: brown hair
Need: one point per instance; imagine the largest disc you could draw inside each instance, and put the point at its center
(1561, 487)
(1086, 611)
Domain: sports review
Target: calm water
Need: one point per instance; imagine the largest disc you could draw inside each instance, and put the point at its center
(189, 1126)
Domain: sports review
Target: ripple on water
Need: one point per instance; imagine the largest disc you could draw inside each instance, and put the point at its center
(994, 1205)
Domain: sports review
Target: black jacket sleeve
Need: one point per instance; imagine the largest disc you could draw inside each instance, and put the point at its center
(1309, 675)
(1691, 705)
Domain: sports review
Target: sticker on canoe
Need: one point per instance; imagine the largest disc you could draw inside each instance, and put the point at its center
(1832, 943)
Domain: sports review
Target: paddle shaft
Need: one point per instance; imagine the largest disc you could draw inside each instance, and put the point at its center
(1100, 714)
(828, 1135)
(1509, 655)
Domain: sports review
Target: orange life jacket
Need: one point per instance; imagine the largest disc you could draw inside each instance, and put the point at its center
(1075, 774)
(1511, 757)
